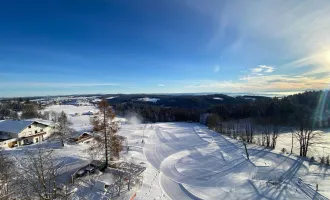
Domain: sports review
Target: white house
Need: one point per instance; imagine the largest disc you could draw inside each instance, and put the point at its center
(21, 132)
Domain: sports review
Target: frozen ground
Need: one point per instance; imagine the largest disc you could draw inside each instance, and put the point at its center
(196, 163)
(80, 123)
(188, 161)
(321, 146)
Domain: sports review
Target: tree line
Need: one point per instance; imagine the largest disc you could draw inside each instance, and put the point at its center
(258, 121)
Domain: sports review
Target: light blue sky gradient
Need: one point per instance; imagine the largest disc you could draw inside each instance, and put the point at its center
(58, 47)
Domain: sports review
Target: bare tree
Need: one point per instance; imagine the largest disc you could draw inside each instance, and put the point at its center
(53, 116)
(37, 172)
(304, 129)
(120, 183)
(29, 111)
(7, 173)
(306, 137)
(46, 115)
(104, 122)
(62, 128)
(248, 130)
(275, 132)
(14, 115)
(129, 175)
(265, 135)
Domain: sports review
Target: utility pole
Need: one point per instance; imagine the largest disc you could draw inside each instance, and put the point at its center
(246, 151)
(145, 126)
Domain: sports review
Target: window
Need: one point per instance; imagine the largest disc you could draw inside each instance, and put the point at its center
(41, 130)
(35, 131)
(30, 126)
(37, 140)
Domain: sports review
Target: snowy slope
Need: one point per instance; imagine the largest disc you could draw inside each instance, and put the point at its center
(193, 166)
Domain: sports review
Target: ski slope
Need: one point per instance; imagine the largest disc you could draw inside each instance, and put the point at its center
(196, 163)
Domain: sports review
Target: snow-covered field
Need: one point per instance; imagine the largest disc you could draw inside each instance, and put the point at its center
(189, 161)
(147, 99)
(196, 163)
(321, 146)
(80, 123)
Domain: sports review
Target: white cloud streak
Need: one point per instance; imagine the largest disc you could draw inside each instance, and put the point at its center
(262, 69)
(257, 83)
(299, 30)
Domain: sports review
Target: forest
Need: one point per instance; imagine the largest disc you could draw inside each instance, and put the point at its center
(257, 120)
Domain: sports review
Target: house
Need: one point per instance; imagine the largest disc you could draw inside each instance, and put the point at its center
(82, 137)
(22, 132)
(88, 113)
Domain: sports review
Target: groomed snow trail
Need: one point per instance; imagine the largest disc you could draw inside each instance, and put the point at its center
(196, 163)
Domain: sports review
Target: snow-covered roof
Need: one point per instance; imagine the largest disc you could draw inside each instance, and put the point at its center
(106, 178)
(15, 126)
(42, 121)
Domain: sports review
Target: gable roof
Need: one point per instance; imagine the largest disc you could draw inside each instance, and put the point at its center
(15, 126)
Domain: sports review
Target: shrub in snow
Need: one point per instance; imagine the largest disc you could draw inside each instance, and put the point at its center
(312, 159)
(283, 150)
(322, 160)
(327, 162)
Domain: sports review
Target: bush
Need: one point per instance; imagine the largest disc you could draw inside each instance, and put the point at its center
(103, 167)
(312, 159)
(327, 161)
(283, 150)
(322, 160)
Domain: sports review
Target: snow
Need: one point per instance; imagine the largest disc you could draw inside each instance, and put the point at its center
(147, 99)
(217, 98)
(250, 98)
(321, 146)
(80, 123)
(71, 109)
(189, 161)
(111, 97)
(191, 165)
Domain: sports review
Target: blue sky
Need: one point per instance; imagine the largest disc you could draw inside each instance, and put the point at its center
(50, 47)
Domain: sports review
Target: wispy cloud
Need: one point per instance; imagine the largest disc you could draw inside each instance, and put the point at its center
(284, 30)
(216, 69)
(262, 69)
(257, 83)
(161, 85)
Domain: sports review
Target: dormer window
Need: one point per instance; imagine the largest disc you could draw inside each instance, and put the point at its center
(30, 126)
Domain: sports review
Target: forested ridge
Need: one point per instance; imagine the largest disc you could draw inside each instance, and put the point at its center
(257, 120)
(190, 107)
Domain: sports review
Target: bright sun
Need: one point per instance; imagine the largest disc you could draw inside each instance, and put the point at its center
(327, 57)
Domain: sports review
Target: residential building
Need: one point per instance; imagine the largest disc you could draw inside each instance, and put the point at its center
(22, 132)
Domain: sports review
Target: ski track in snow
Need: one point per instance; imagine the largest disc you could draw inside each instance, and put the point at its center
(192, 162)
